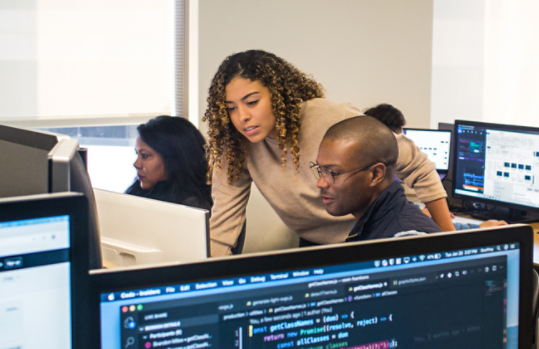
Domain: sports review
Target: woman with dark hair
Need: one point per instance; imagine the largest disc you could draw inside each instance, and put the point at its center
(389, 115)
(263, 113)
(171, 163)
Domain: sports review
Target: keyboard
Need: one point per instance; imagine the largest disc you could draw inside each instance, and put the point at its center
(458, 219)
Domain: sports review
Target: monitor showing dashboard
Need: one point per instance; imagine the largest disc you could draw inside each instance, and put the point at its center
(497, 164)
(439, 292)
(43, 263)
(435, 143)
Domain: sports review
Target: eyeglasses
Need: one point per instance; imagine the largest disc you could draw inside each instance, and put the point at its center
(329, 176)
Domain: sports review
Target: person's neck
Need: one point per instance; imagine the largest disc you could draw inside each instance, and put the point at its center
(378, 190)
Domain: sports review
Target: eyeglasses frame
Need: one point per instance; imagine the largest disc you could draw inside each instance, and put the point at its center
(315, 167)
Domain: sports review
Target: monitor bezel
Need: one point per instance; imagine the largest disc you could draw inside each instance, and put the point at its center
(443, 126)
(501, 127)
(437, 131)
(106, 281)
(61, 204)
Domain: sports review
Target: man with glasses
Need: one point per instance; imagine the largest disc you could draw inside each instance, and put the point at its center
(355, 169)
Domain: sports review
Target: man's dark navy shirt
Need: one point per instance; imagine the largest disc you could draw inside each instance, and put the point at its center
(391, 213)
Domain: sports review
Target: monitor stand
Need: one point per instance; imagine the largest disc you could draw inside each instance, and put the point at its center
(510, 215)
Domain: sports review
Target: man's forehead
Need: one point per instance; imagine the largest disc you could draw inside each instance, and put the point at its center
(337, 152)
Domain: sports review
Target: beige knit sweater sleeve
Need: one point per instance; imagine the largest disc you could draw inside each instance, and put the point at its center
(228, 211)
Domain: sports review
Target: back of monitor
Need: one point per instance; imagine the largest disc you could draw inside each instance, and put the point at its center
(137, 231)
(23, 157)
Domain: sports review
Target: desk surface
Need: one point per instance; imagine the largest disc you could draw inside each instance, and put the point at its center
(535, 226)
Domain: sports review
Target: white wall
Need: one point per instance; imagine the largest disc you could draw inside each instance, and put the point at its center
(484, 62)
(363, 51)
(457, 62)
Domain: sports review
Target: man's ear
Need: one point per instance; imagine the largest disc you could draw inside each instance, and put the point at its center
(378, 174)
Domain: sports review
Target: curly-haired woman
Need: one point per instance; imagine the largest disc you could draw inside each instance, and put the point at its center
(266, 121)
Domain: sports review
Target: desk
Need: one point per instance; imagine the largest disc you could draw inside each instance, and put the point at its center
(109, 265)
(413, 198)
(535, 227)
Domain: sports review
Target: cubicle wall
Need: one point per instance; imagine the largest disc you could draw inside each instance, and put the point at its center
(136, 231)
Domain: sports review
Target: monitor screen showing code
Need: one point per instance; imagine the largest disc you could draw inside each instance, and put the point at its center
(453, 299)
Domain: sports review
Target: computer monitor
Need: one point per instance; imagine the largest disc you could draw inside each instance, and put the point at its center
(498, 165)
(27, 170)
(450, 290)
(23, 157)
(137, 231)
(67, 172)
(43, 271)
(435, 143)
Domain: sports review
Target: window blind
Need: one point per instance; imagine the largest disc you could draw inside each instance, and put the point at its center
(76, 59)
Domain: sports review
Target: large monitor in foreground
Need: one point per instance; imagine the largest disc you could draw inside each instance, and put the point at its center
(460, 290)
(43, 271)
(435, 143)
(498, 165)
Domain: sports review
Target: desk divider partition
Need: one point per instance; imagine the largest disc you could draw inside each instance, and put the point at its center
(140, 231)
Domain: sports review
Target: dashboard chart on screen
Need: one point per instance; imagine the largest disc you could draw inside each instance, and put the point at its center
(435, 143)
(466, 298)
(498, 164)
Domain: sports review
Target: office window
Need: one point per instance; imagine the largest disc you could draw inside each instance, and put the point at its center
(75, 58)
(82, 68)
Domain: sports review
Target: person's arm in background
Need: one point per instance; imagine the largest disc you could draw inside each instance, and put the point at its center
(419, 173)
(487, 224)
(465, 226)
(440, 214)
(228, 211)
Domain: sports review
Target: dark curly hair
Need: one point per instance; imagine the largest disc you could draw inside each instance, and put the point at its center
(288, 87)
(389, 115)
